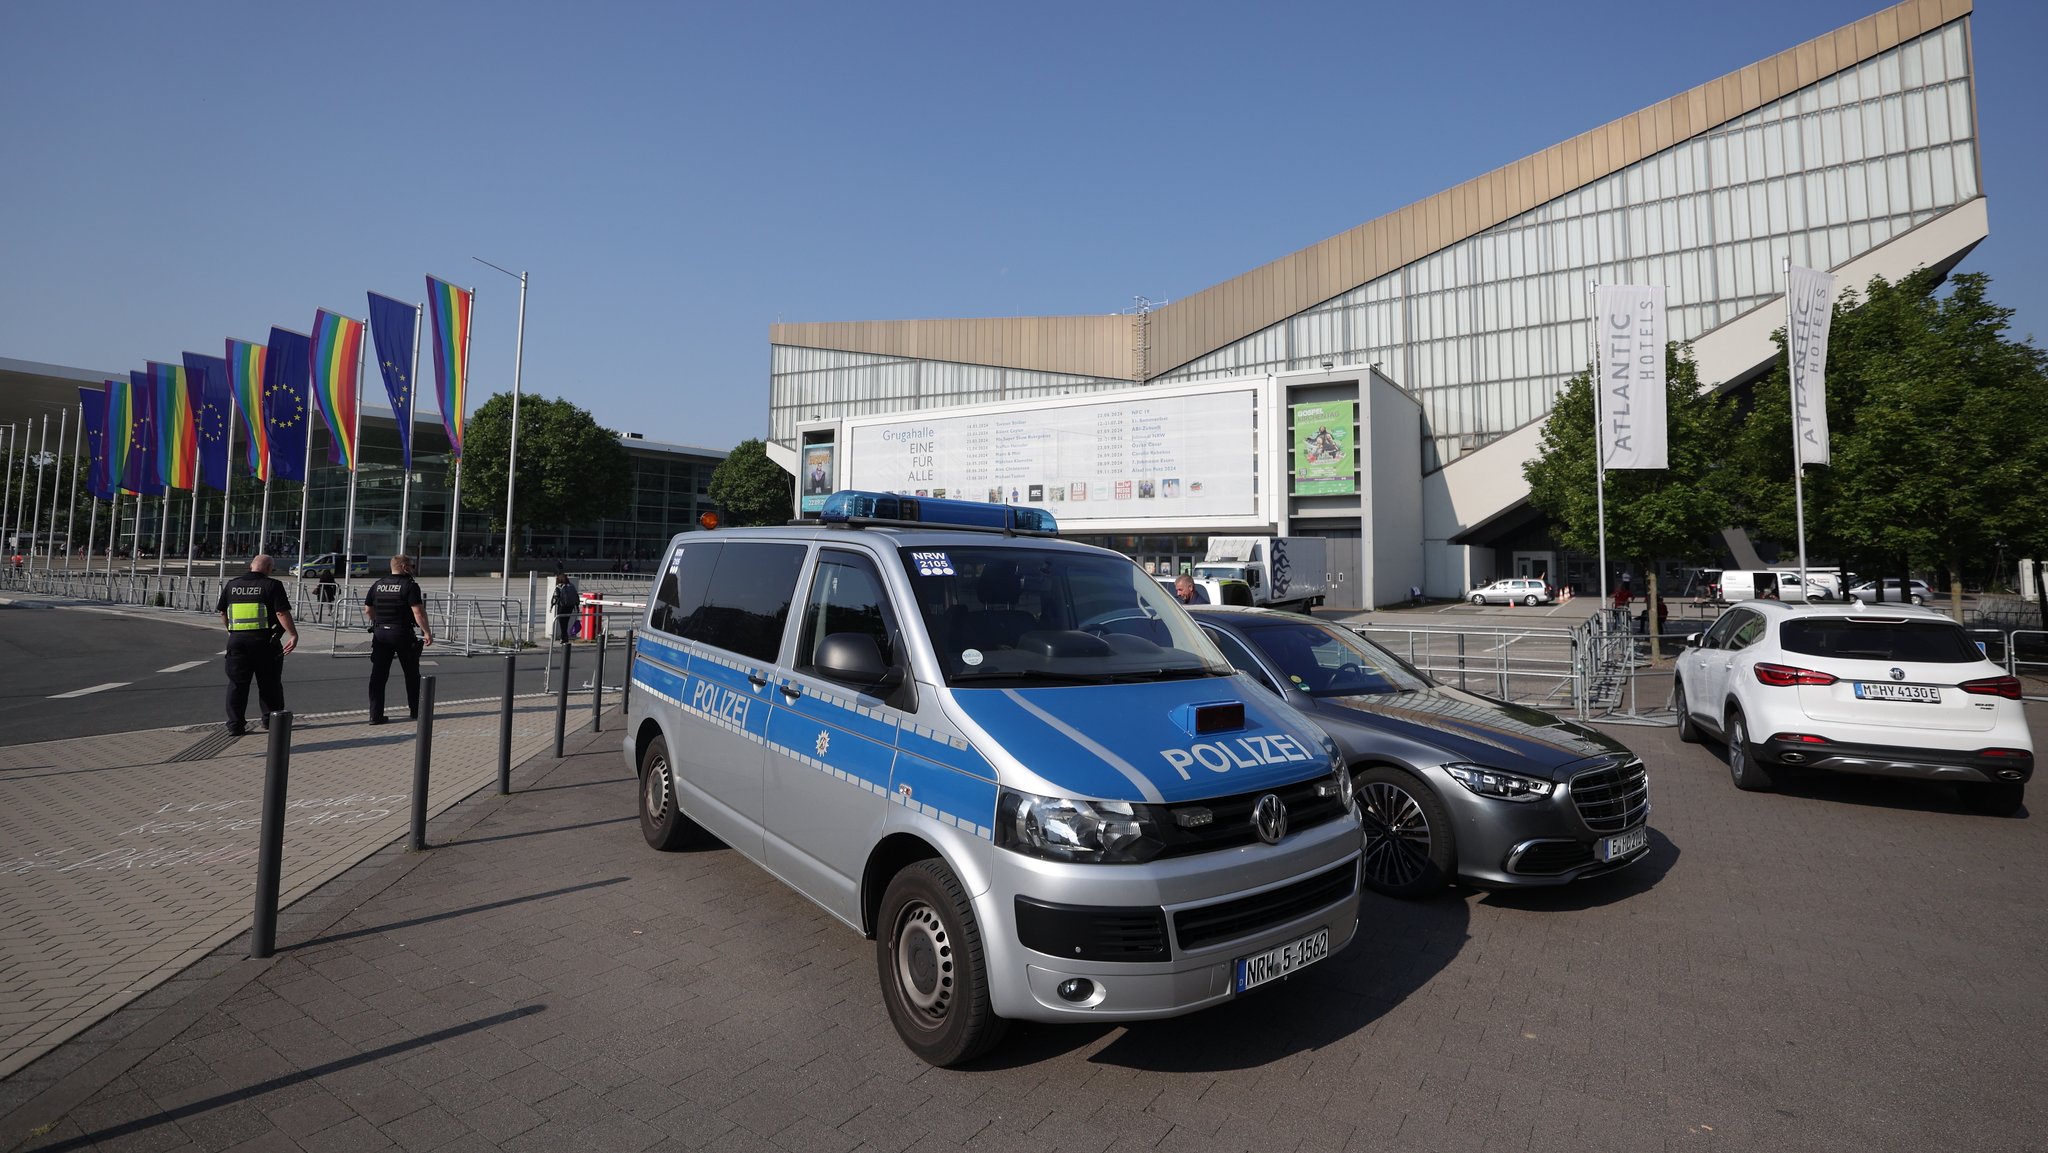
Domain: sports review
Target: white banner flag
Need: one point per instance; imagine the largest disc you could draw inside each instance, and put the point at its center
(1630, 389)
(1810, 308)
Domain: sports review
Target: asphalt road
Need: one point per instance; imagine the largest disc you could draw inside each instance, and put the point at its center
(82, 670)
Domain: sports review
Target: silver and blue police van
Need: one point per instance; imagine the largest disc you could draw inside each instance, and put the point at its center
(1012, 761)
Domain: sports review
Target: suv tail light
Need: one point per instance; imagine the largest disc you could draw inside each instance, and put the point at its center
(1799, 738)
(2007, 687)
(1785, 676)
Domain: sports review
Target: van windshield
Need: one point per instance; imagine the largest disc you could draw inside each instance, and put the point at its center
(1001, 616)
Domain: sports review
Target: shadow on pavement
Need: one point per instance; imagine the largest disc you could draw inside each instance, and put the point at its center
(539, 832)
(331, 938)
(218, 1100)
(1906, 794)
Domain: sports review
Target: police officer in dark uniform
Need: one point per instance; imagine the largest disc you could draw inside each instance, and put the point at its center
(392, 605)
(258, 616)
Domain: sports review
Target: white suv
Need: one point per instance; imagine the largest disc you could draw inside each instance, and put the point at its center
(1889, 691)
(1523, 590)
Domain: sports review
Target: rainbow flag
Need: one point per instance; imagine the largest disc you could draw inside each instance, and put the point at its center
(177, 432)
(450, 307)
(245, 372)
(337, 378)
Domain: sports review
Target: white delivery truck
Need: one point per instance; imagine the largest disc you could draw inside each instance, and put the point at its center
(1283, 571)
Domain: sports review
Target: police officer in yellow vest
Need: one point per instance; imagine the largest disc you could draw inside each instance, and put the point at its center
(258, 616)
(392, 606)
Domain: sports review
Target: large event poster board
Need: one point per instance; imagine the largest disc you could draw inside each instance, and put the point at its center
(1325, 448)
(1172, 457)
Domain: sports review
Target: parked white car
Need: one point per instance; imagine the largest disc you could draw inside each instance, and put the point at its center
(1867, 591)
(1884, 690)
(1513, 590)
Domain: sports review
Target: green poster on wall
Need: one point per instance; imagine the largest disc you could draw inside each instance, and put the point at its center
(1325, 448)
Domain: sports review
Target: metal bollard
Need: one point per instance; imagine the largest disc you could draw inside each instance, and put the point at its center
(505, 728)
(597, 688)
(562, 701)
(422, 761)
(277, 763)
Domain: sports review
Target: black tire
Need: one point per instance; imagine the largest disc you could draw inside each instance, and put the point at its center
(1748, 773)
(1410, 850)
(1531, 600)
(934, 975)
(1996, 799)
(1687, 730)
(1479, 600)
(1919, 600)
(661, 813)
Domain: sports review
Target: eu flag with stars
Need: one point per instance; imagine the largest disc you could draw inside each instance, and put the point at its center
(394, 324)
(208, 379)
(140, 474)
(93, 405)
(287, 381)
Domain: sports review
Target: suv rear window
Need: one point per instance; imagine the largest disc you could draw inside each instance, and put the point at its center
(1934, 642)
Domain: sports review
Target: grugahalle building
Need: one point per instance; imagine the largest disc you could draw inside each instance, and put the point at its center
(1445, 329)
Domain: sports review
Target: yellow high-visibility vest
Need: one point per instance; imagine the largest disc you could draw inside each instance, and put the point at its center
(246, 616)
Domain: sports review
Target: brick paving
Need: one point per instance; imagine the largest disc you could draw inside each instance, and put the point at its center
(123, 864)
(1845, 965)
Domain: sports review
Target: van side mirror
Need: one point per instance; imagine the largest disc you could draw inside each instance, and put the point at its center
(856, 659)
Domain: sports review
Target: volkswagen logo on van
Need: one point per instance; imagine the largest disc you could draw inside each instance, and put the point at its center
(1269, 818)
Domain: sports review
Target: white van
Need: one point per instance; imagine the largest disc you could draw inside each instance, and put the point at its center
(1012, 761)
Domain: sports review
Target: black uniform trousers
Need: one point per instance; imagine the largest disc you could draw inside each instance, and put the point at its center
(258, 656)
(384, 645)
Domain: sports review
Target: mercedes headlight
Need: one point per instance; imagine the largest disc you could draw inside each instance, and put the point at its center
(1503, 785)
(1090, 832)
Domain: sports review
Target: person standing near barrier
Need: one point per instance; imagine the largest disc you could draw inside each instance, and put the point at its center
(392, 606)
(565, 604)
(258, 616)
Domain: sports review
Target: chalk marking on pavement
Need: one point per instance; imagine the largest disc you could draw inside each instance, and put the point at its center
(183, 667)
(85, 692)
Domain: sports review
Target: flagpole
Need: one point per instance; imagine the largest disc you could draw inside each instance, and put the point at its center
(1599, 439)
(163, 531)
(227, 483)
(92, 533)
(71, 506)
(7, 483)
(455, 501)
(512, 461)
(306, 486)
(412, 398)
(56, 489)
(21, 490)
(1792, 408)
(348, 532)
(35, 518)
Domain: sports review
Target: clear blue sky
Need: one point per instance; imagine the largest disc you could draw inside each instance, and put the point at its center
(677, 177)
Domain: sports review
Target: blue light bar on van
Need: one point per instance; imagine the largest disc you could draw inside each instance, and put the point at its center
(849, 505)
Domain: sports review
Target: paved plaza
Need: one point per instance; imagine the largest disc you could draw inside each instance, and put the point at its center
(1845, 965)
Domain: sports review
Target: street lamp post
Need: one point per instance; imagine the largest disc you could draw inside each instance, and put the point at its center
(512, 461)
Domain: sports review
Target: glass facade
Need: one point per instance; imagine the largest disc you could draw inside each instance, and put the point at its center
(670, 488)
(1484, 332)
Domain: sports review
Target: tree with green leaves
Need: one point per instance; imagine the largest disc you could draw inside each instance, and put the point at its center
(1939, 430)
(1651, 513)
(571, 470)
(751, 489)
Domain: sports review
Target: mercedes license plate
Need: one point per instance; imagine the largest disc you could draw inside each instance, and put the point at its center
(1276, 963)
(1880, 691)
(1622, 844)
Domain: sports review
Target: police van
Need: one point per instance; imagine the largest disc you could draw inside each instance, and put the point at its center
(1012, 761)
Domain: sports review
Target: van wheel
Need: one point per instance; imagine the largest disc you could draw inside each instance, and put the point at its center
(1410, 850)
(1744, 769)
(661, 814)
(1687, 730)
(934, 978)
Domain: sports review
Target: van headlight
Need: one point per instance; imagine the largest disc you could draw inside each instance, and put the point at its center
(1495, 783)
(1091, 832)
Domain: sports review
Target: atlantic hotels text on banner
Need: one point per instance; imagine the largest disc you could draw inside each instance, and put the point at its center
(1630, 388)
(1810, 296)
